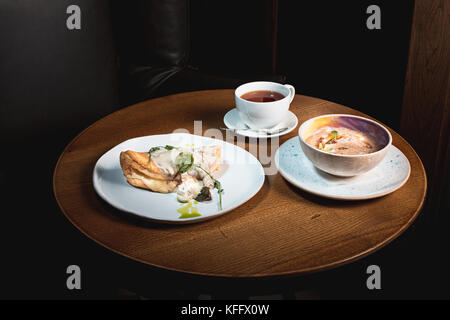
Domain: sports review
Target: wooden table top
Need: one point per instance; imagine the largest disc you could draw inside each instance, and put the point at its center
(280, 231)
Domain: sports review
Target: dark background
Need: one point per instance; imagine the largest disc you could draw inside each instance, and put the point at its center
(55, 82)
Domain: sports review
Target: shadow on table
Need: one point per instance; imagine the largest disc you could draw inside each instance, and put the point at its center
(327, 202)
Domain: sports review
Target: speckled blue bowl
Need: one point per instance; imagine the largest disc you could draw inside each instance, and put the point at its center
(345, 165)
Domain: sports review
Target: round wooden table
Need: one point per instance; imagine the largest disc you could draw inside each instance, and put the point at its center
(280, 231)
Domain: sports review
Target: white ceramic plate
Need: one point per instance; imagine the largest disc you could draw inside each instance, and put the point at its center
(388, 176)
(241, 177)
(233, 121)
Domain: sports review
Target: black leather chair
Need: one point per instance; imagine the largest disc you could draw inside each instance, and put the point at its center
(157, 43)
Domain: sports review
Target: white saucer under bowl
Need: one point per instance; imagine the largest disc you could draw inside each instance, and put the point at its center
(389, 175)
(233, 121)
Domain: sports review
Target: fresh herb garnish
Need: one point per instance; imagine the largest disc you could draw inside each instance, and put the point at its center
(150, 153)
(334, 133)
(217, 185)
(152, 150)
(204, 194)
(184, 162)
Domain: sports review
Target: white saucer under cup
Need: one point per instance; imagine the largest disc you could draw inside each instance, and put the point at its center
(232, 120)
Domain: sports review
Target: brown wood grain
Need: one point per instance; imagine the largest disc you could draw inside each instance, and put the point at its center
(272, 31)
(425, 120)
(280, 231)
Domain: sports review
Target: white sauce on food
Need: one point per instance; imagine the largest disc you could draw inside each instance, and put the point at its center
(195, 178)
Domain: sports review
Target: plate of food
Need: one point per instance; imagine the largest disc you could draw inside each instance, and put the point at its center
(177, 178)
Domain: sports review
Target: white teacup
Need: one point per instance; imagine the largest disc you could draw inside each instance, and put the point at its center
(263, 115)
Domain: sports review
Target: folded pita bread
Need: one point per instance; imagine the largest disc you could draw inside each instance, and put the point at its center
(141, 174)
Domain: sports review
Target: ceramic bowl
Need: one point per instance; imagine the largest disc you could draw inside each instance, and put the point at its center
(345, 165)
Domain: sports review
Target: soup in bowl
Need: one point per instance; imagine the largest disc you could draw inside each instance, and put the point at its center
(344, 145)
